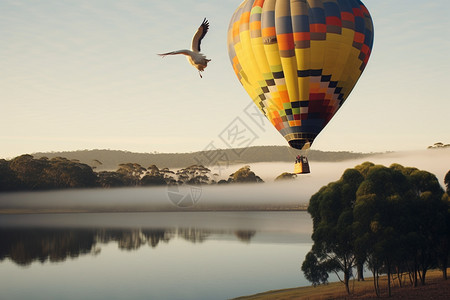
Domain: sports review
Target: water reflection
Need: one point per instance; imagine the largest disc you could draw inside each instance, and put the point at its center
(133, 239)
(57, 237)
(26, 245)
(205, 255)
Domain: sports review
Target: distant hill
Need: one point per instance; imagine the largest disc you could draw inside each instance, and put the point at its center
(110, 159)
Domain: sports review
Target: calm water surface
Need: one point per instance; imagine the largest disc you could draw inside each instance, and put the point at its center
(159, 255)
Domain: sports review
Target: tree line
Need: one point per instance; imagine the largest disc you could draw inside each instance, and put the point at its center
(439, 145)
(28, 173)
(391, 220)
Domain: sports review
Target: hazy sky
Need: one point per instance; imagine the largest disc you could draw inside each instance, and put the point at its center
(85, 75)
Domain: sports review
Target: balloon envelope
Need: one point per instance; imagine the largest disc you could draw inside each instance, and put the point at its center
(300, 59)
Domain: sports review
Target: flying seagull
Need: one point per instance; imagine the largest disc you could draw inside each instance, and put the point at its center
(195, 58)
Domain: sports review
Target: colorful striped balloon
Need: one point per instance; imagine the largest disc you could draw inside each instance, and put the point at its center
(300, 59)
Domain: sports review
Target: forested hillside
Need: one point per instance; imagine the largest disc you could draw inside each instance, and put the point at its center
(111, 159)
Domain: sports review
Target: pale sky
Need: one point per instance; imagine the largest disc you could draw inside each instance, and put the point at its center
(78, 74)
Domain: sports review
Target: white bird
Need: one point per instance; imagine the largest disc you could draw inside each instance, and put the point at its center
(197, 59)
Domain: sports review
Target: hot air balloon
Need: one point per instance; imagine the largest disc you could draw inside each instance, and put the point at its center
(299, 60)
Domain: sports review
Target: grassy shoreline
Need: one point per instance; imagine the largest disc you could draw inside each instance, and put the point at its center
(436, 288)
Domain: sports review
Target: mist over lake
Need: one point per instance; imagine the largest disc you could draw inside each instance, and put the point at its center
(291, 194)
(436, 161)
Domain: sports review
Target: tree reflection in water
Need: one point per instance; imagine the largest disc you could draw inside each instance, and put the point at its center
(24, 246)
(245, 235)
(133, 239)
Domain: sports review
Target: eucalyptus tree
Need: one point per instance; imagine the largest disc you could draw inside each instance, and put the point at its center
(108, 179)
(286, 176)
(195, 174)
(331, 209)
(29, 171)
(63, 173)
(244, 175)
(132, 171)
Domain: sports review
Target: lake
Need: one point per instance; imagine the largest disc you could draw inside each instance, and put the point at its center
(151, 255)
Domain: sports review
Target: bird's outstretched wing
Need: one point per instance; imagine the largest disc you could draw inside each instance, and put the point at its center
(199, 35)
(184, 52)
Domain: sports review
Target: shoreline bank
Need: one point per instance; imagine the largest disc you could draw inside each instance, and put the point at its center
(435, 288)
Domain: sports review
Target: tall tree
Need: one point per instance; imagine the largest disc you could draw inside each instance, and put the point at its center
(29, 171)
(109, 179)
(332, 212)
(244, 175)
(132, 171)
(430, 219)
(63, 173)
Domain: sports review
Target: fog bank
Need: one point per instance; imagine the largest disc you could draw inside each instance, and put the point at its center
(436, 161)
(290, 194)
